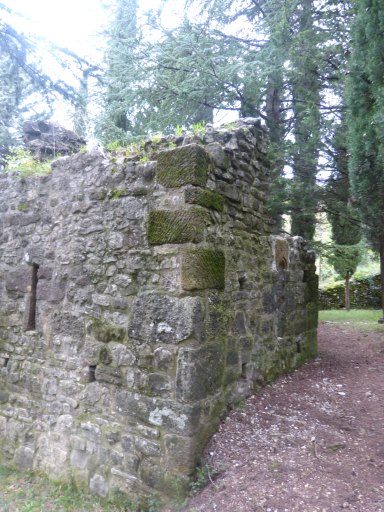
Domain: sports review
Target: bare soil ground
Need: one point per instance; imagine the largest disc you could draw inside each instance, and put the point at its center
(312, 441)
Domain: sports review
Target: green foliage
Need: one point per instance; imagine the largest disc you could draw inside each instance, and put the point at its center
(366, 121)
(366, 117)
(365, 293)
(204, 475)
(144, 158)
(22, 162)
(198, 128)
(33, 492)
(344, 259)
(281, 66)
(114, 145)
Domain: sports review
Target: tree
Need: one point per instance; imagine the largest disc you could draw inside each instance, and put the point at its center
(280, 65)
(305, 88)
(26, 89)
(158, 79)
(365, 100)
(345, 253)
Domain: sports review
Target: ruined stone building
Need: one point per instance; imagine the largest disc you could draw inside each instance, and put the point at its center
(138, 300)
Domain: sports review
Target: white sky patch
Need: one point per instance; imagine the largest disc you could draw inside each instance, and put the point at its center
(72, 24)
(79, 26)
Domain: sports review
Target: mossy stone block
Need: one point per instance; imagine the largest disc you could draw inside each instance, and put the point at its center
(105, 332)
(202, 268)
(187, 165)
(176, 226)
(205, 198)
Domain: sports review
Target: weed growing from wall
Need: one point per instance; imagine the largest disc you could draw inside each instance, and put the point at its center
(21, 161)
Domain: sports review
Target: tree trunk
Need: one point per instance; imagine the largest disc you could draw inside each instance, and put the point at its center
(347, 292)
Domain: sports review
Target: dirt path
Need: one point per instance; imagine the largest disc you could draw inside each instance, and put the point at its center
(312, 441)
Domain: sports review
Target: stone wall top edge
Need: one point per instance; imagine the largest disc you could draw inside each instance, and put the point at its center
(100, 159)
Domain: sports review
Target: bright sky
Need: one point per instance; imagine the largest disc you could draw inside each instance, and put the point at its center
(76, 24)
(69, 23)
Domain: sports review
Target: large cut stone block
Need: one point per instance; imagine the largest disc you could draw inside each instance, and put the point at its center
(159, 318)
(204, 197)
(176, 227)
(202, 268)
(182, 419)
(199, 372)
(187, 165)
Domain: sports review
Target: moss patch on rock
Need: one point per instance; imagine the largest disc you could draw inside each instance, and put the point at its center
(176, 227)
(105, 332)
(205, 198)
(202, 268)
(187, 165)
(23, 207)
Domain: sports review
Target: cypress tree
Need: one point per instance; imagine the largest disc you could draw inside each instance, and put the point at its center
(365, 98)
(345, 253)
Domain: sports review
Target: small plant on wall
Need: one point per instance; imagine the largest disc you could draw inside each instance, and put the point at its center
(21, 161)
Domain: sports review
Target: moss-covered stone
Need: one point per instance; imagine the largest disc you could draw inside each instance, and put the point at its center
(176, 227)
(98, 195)
(105, 356)
(202, 268)
(205, 198)
(23, 207)
(105, 332)
(116, 193)
(187, 165)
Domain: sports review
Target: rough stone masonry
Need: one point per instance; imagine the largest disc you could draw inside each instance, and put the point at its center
(138, 300)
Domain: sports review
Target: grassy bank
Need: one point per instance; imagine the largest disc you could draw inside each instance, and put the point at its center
(32, 492)
(355, 319)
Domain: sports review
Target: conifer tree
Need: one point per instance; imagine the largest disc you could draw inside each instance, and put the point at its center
(277, 67)
(345, 252)
(305, 88)
(365, 97)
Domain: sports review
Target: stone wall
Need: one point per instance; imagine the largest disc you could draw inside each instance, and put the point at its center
(138, 300)
(365, 293)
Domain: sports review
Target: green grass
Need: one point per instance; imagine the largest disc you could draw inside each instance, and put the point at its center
(32, 492)
(355, 319)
